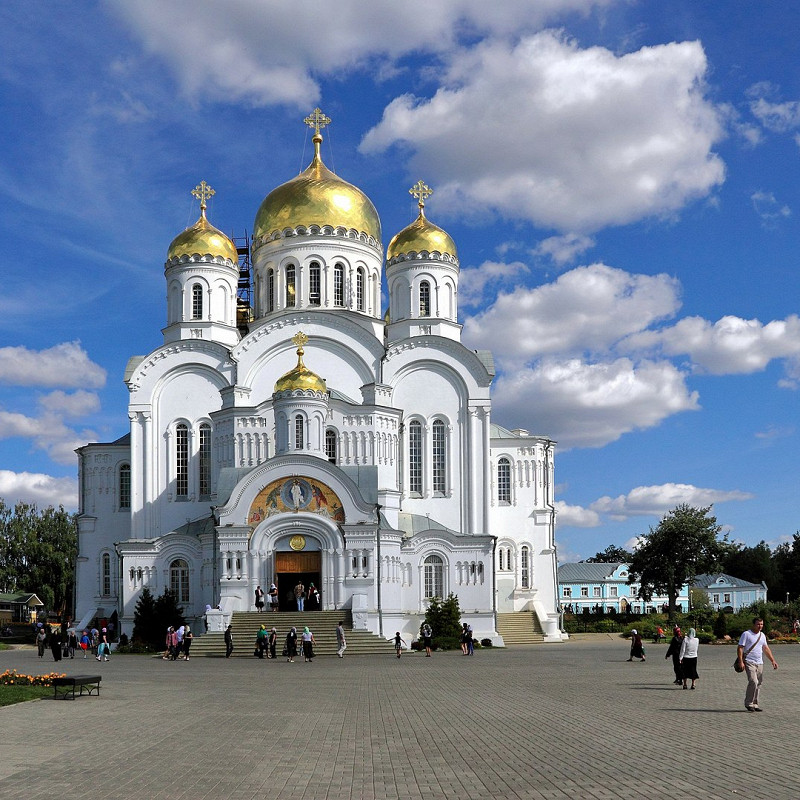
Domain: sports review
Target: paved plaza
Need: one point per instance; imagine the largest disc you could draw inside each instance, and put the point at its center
(572, 720)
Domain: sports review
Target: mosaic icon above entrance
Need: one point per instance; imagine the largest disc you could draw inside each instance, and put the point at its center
(292, 495)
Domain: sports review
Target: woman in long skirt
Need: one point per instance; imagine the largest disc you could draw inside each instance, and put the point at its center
(689, 648)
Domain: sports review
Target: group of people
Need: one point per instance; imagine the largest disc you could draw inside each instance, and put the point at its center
(64, 642)
(178, 643)
(261, 598)
(305, 599)
(467, 646)
(683, 650)
(266, 643)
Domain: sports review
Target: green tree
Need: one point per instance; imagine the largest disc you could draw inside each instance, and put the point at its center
(444, 617)
(167, 612)
(720, 625)
(611, 555)
(684, 544)
(754, 564)
(144, 619)
(786, 559)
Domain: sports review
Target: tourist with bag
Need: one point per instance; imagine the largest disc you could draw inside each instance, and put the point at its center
(750, 658)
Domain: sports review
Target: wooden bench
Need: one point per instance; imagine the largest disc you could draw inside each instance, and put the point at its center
(65, 687)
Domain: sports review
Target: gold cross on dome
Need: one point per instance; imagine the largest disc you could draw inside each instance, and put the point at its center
(317, 120)
(300, 339)
(421, 192)
(202, 192)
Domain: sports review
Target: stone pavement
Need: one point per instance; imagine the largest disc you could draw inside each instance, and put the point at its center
(571, 720)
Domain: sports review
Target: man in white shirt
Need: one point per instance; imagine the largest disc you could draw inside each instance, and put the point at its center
(752, 647)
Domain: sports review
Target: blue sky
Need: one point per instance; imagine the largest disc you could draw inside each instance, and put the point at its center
(620, 178)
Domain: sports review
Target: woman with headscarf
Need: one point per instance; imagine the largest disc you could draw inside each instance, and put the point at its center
(674, 650)
(291, 644)
(689, 648)
(308, 644)
(637, 648)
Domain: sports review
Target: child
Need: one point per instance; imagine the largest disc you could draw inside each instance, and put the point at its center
(398, 644)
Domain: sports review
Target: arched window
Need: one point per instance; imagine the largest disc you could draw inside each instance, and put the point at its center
(106, 575)
(298, 432)
(360, 288)
(525, 567)
(434, 577)
(205, 460)
(179, 580)
(415, 457)
(290, 286)
(125, 486)
(270, 290)
(439, 457)
(197, 301)
(330, 445)
(424, 299)
(314, 293)
(338, 285)
(181, 461)
(504, 480)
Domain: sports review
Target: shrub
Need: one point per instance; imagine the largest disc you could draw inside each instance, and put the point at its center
(486, 643)
(705, 637)
(447, 643)
(720, 625)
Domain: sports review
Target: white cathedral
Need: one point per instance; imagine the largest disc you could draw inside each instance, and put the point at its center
(295, 432)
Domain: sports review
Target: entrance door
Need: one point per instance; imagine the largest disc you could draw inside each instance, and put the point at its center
(291, 568)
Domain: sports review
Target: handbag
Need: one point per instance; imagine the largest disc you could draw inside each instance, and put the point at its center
(737, 667)
(285, 651)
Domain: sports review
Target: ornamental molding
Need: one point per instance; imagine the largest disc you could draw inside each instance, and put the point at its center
(197, 258)
(423, 255)
(339, 232)
(217, 352)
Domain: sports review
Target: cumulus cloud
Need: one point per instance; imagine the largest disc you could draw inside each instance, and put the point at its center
(33, 487)
(576, 516)
(776, 117)
(585, 309)
(658, 500)
(65, 365)
(591, 404)
(768, 208)
(474, 282)
(595, 139)
(73, 405)
(563, 250)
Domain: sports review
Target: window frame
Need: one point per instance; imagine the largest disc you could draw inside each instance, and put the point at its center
(124, 481)
(197, 301)
(181, 460)
(504, 480)
(415, 458)
(433, 576)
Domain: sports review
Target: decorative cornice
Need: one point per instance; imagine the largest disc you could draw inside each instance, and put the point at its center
(423, 255)
(315, 230)
(200, 258)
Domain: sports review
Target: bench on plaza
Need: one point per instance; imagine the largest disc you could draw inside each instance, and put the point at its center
(64, 687)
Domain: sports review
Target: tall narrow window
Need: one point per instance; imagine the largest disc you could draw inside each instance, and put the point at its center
(298, 432)
(106, 575)
(270, 290)
(314, 294)
(424, 299)
(330, 445)
(205, 460)
(125, 486)
(179, 580)
(415, 457)
(439, 457)
(434, 577)
(504, 480)
(181, 461)
(360, 288)
(290, 286)
(525, 567)
(197, 301)
(338, 285)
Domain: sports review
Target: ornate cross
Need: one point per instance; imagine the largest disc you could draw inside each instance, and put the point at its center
(317, 121)
(300, 339)
(202, 192)
(421, 192)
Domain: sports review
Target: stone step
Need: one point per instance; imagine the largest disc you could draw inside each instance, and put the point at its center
(520, 628)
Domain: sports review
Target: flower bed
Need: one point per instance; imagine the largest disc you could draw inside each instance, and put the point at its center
(13, 678)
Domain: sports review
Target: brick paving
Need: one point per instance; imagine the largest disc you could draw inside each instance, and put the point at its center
(571, 720)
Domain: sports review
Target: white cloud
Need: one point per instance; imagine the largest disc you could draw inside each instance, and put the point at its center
(658, 500)
(595, 138)
(585, 309)
(65, 365)
(575, 516)
(590, 405)
(564, 249)
(776, 117)
(75, 404)
(473, 282)
(768, 208)
(44, 490)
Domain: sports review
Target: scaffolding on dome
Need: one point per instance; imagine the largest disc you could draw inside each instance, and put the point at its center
(244, 290)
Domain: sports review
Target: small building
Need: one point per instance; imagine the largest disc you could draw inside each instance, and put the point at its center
(604, 587)
(19, 607)
(729, 594)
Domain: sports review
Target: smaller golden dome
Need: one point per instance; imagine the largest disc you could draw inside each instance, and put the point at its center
(301, 377)
(202, 238)
(421, 235)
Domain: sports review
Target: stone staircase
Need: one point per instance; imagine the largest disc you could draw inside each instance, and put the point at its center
(521, 627)
(321, 623)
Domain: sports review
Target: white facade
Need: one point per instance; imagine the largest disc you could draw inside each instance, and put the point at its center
(385, 482)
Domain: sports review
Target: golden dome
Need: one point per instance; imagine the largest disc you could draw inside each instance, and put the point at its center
(202, 238)
(421, 235)
(301, 377)
(317, 196)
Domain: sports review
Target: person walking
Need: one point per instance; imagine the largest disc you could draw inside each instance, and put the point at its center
(291, 645)
(228, 641)
(463, 639)
(103, 649)
(470, 641)
(341, 641)
(750, 656)
(427, 639)
(300, 595)
(308, 645)
(72, 642)
(261, 641)
(86, 643)
(273, 643)
(41, 640)
(55, 644)
(188, 636)
(273, 597)
(688, 657)
(179, 642)
(259, 599)
(637, 647)
(398, 644)
(312, 598)
(674, 650)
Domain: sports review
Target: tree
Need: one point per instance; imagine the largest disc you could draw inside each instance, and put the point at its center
(144, 618)
(444, 617)
(611, 555)
(684, 544)
(754, 564)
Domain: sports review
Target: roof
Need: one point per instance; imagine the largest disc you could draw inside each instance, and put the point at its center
(584, 571)
(196, 526)
(26, 598)
(412, 524)
(487, 359)
(709, 580)
(499, 432)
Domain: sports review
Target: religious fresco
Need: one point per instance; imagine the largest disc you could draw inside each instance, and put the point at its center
(292, 495)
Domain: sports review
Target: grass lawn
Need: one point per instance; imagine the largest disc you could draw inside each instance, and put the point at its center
(19, 694)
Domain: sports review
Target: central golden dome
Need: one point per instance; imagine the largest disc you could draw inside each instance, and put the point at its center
(301, 377)
(317, 196)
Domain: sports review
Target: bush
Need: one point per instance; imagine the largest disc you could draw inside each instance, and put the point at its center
(486, 643)
(706, 637)
(447, 643)
(720, 625)
(135, 648)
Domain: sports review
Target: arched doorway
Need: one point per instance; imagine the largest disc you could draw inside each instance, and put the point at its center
(292, 567)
